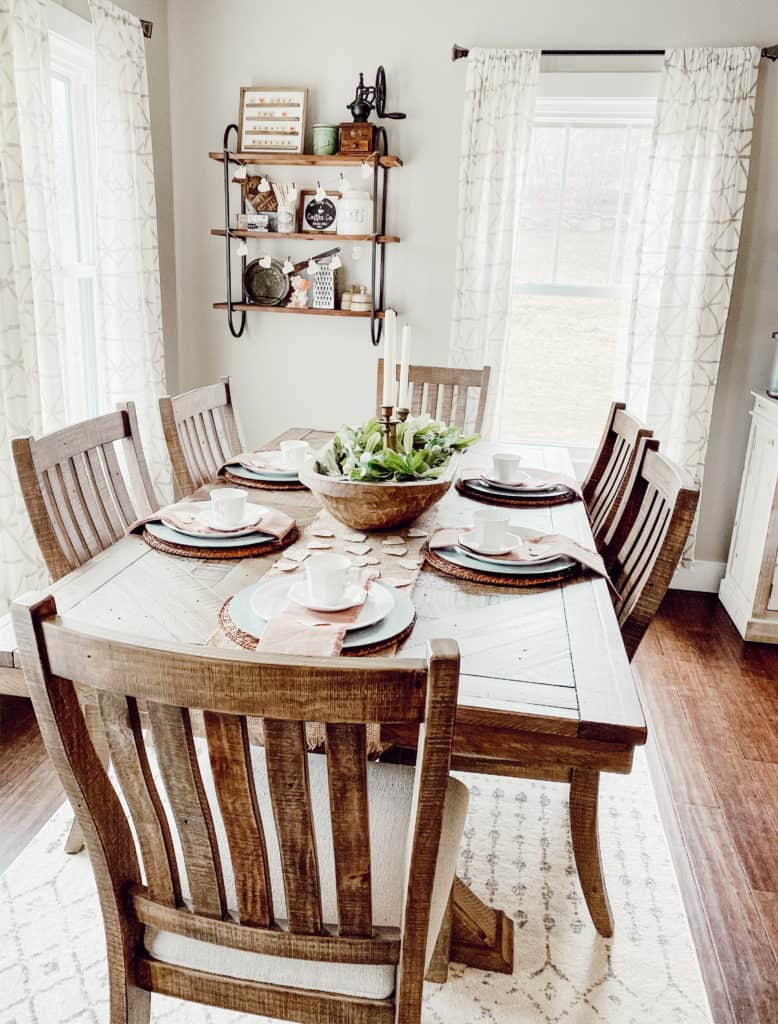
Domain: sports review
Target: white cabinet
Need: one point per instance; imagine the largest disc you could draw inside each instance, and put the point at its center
(749, 590)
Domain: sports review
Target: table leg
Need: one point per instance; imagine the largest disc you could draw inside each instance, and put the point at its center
(481, 936)
(584, 786)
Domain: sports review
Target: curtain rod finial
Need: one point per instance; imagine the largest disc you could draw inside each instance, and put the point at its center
(458, 51)
(147, 27)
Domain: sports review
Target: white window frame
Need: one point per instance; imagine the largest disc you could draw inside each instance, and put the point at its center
(570, 98)
(72, 58)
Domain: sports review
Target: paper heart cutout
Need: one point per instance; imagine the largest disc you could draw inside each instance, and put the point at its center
(266, 261)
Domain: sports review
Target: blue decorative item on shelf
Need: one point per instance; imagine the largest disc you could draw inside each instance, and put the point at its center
(772, 387)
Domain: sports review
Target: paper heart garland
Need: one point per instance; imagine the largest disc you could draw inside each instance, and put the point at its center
(266, 261)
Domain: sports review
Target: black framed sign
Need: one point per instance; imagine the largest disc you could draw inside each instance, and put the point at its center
(319, 214)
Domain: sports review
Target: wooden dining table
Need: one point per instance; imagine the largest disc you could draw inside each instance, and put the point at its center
(546, 689)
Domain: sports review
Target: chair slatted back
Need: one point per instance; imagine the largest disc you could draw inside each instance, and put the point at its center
(74, 488)
(646, 539)
(346, 695)
(606, 482)
(455, 397)
(201, 433)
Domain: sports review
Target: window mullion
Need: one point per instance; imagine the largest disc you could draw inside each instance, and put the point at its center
(562, 186)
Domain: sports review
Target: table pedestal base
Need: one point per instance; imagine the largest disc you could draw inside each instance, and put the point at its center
(481, 936)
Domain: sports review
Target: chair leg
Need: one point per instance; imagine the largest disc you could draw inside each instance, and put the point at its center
(94, 723)
(129, 1004)
(438, 968)
(584, 787)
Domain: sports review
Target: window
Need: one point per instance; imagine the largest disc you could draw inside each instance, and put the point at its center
(575, 254)
(72, 95)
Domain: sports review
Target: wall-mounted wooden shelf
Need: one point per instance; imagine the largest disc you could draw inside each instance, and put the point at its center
(379, 163)
(306, 236)
(307, 159)
(252, 307)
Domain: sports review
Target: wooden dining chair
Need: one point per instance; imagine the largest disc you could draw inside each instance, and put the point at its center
(201, 433)
(604, 486)
(280, 883)
(456, 397)
(646, 539)
(73, 485)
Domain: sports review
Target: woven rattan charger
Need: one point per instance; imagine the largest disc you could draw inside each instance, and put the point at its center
(459, 572)
(558, 499)
(250, 643)
(221, 554)
(263, 485)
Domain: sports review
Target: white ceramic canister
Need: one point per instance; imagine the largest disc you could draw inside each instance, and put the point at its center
(355, 213)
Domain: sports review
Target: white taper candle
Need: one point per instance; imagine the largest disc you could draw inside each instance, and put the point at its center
(390, 346)
(405, 358)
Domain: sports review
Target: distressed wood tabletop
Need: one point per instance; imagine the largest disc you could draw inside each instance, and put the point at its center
(546, 661)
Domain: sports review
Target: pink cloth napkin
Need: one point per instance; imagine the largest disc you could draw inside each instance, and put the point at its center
(536, 546)
(273, 462)
(299, 630)
(539, 480)
(181, 515)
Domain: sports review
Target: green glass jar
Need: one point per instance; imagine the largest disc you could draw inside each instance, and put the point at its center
(325, 139)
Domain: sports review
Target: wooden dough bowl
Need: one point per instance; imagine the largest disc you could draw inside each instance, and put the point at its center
(375, 506)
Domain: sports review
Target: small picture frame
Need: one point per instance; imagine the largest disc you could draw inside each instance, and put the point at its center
(318, 215)
(272, 120)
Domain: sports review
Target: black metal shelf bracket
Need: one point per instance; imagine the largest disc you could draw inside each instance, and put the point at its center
(378, 251)
(236, 332)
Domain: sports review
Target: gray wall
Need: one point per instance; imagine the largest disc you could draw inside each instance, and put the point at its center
(302, 370)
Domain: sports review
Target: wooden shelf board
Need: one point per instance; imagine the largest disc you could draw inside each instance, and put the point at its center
(305, 159)
(251, 307)
(306, 236)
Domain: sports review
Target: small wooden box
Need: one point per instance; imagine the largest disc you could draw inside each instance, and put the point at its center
(357, 137)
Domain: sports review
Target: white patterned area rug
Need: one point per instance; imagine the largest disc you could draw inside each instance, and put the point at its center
(516, 855)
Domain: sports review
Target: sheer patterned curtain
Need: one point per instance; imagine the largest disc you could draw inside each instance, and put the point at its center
(701, 150)
(31, 313)
(499, 106)
(131, 358)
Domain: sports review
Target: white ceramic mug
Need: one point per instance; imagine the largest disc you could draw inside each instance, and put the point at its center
(327, 576)
(490, 528)
(228, 507)
(506, 467)
(294, 453)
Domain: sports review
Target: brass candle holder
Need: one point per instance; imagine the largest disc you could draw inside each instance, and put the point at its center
(388, 424)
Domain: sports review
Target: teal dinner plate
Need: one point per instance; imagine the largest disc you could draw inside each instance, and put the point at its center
(246, 540)
(396, 620)
(487, 489)
(267, 476)
(551, 568)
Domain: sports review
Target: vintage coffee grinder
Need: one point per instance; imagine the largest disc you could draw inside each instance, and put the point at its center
(358, 136)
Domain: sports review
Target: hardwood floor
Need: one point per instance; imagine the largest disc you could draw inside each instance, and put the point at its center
(30, 791)
(712, 704)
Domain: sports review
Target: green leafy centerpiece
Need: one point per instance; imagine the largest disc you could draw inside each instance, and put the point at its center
(369, 485)
(423, 450)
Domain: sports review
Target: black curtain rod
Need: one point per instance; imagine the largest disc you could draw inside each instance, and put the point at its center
(457, 52)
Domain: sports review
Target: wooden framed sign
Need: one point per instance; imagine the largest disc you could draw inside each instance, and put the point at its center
(318, 214)
(272, 120)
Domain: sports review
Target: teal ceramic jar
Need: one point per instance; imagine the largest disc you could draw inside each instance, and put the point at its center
(325, 139)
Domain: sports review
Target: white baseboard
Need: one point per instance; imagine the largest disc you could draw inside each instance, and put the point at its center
(701, 576)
